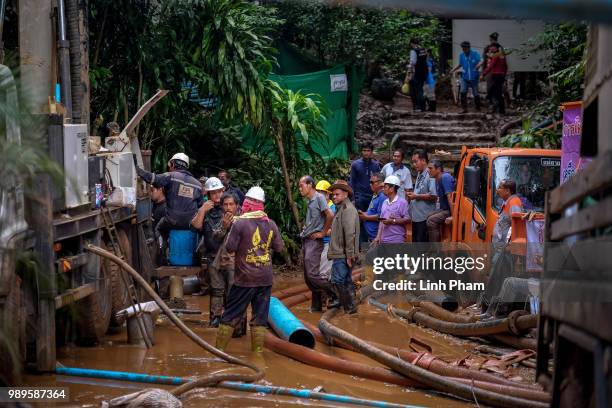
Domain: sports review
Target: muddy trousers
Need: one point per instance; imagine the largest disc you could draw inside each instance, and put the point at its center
(318, 285)
(434, 224)
(238, 301)
(221, 280)
(342, 281)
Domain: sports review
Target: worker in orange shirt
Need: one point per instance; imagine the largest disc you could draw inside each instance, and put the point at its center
(506, 190)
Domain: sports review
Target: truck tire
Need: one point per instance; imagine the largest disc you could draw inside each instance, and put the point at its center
(120, 295)
(10, 335)
(94, 311)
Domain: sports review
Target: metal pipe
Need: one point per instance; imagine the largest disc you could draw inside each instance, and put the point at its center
(438, 382)
(232, 385)
(63, 45)
(287, 326)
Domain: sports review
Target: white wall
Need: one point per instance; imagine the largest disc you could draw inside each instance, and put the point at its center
(513, 34)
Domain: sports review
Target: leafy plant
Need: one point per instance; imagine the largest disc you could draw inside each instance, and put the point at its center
(529, 137)
(292, 114)
(564, 47)
(340, 33)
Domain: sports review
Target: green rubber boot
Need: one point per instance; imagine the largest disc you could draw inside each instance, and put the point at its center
(258, 334)
(224, 335)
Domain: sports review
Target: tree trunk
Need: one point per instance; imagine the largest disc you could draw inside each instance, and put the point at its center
(281, 152)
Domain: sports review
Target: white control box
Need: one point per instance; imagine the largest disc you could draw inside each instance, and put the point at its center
(120, 166)
(76, 166)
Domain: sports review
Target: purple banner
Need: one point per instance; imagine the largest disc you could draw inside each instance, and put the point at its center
(571, 162)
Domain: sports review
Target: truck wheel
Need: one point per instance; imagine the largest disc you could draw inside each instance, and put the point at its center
(10, 335)
(120, 294)
(94, 311)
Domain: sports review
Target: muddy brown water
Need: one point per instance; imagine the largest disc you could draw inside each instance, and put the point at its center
(175, 355)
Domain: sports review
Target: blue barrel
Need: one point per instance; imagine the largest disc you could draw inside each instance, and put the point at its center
(183, 244)
(287, 326)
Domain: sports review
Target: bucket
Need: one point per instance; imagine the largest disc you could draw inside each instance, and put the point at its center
(133, 330)
(182, 246)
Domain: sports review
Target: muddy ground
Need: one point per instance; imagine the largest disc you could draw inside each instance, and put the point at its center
(174, 355)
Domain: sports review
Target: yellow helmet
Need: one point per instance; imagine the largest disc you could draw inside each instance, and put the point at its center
(323, 185)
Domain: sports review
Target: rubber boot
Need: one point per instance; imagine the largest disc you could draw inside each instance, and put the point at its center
(216, 309)
(224, 335)
(258, 335)
(316, 304)
(241, 328)
(347, 298)
(477, 103)
(464, 108)
(333, 302)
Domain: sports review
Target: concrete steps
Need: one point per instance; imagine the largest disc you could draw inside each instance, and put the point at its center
(441, 130)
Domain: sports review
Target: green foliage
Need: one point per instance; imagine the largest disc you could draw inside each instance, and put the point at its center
(530, 137)
(564, 45)
(236, 56)
(216, 48)
(342, 33)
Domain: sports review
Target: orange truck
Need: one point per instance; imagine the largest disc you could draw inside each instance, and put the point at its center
(475, 205)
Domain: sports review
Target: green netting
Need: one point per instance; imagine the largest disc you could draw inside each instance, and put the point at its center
(295, 73)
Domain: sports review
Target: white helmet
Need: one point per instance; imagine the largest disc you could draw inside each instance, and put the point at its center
(182, 157)
(394, 180)
(256, 193)
(213, 183)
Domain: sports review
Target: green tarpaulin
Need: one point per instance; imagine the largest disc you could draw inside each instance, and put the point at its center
(339, 88)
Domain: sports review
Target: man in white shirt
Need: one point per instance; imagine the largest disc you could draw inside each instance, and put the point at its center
(397, 168)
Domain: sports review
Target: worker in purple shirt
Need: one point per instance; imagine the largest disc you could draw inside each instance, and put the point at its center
(394, 217)
(361, 171)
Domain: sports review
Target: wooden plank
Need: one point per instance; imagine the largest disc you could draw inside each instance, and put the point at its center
(165, 271)
(594, 177)
(599, 215)
(72, 295)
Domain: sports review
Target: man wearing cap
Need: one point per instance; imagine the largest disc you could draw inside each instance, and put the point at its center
(325, 265)
(318, 221)
(209, 217)
(394, 217)
(183, 193)
(469, 62)
(252, 238)
(344, 245)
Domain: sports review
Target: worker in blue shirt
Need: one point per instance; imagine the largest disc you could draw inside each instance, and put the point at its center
(468, 62)
(361, 171)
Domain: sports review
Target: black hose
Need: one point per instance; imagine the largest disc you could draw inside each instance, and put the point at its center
(414, 372)
(496, 326)
(207, 380)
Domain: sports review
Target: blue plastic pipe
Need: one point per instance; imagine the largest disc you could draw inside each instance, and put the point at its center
(232, 385)
(287, 326)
